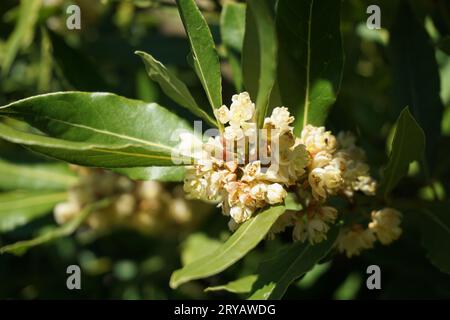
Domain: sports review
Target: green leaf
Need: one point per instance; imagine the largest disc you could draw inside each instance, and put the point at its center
(52, 176)
(310, 58)
(238, 245)
(259, 56)
(66, 229)
(19, 208)
(163, 174)
(23, 32)
(173, 87)
(435, 228)
(96, 129)
(242, 285)
(232, 25)
(408, 145)
(206, 60)
(232, 29)
(276, 274)
(196, 246)
(415, 74)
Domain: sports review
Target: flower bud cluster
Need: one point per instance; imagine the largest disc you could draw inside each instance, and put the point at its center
(142, 205)
(384, 227)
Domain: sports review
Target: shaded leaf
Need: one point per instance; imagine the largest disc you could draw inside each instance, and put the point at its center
(444, 44)
(276, 274)
(310, 58)
(206, 60)
(19, 208)
(415, 74)
(259, 55)
(435, 228)
(408, 145)
(238, 245)
(79, 71)
(173, 87)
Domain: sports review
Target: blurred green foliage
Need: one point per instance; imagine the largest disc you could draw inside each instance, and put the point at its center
(38, 55)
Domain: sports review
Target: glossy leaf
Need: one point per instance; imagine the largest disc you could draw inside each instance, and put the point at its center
(64, 230)
(23, 32)
(259, 54)
(96, 129)
(242, 285)
(35, 176)
(19, 208)
(415, 74)
(206, 60)
(310, 58)
(434, 223)
(408, 145)
(276, 274)
(238, 245)
(173, 87)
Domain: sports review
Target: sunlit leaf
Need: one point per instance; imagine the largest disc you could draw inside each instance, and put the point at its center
(19, 208)
(310, 58)
(35, 176)
(173, 87)
(96, 129)
(238, 245)
(196, 246)
(206, 59)
(242, 285)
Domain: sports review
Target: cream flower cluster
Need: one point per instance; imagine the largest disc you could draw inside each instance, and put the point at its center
(242, 186)
(142, 205)
(337, 166)
(385, 226)
(314, 166)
